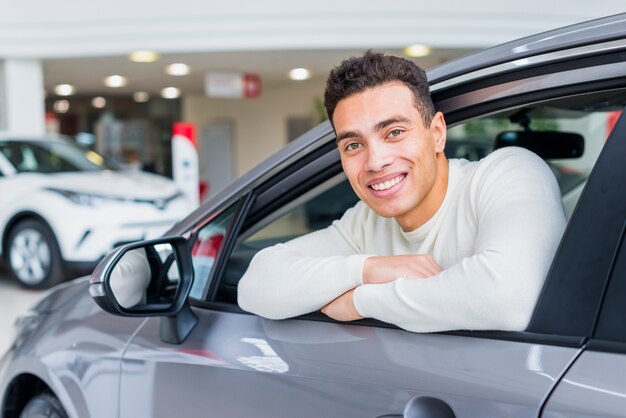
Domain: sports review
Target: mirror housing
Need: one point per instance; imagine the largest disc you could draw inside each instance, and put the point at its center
(148, 278)
(546, 144)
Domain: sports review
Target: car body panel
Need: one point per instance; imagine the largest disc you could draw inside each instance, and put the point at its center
(76, 350)
(309, 368)
(594, 386)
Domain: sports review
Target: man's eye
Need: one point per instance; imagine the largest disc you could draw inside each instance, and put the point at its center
(395, 133)
(353, 146)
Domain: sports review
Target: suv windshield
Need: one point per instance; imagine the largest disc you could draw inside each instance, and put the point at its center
(51, 156)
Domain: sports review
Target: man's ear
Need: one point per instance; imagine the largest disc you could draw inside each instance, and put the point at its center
(438, 130)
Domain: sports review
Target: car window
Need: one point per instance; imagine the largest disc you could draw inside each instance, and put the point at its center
(588, 116)
(50, 157)
(207, 243)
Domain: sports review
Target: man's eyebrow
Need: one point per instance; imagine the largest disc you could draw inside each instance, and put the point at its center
(394, 119)
(346, 134)
(380, 125)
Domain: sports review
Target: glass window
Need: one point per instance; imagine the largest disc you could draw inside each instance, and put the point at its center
(591, 116)
(204, 250)
(51, 157)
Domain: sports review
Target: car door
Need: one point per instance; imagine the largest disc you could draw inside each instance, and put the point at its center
(595, 385)
(238, 364)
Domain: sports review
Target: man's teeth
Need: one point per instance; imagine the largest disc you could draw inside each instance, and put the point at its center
(388, 184)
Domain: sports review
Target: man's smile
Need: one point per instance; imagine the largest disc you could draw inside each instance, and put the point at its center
(381, 185)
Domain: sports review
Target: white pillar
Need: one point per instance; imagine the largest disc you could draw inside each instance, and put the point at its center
(22, 97)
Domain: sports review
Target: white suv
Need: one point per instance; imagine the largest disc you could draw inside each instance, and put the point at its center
(62, 208)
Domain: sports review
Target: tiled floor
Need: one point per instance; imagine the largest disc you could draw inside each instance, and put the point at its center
(14, 301)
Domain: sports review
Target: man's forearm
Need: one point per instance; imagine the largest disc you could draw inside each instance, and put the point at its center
(301, 276)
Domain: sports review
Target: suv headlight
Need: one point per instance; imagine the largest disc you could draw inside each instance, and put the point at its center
(85, 199)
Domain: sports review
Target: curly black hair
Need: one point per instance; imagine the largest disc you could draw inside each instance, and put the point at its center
(374, 69)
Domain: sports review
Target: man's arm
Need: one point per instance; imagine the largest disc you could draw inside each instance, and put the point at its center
(300, 276)
(307, 273)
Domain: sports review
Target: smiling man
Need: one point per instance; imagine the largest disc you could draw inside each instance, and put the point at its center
(434, 244)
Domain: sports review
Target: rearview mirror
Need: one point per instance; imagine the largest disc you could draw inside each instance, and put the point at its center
(546, 144)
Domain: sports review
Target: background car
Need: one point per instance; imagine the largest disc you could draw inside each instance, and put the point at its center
(62, 208)
(189, 350)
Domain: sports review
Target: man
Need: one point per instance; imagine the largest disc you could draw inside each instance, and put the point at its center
(434, 244)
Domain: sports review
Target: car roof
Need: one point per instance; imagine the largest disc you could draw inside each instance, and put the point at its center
(569, 38)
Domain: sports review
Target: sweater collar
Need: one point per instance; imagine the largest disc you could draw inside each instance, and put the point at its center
(421, 232)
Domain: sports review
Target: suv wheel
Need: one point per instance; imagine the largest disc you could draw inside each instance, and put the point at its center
(44, 405)
(33, 255)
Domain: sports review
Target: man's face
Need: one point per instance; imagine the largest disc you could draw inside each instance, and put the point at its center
(393, 162)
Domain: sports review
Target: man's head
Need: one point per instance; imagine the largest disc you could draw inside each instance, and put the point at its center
(375, 69)
(390, 141)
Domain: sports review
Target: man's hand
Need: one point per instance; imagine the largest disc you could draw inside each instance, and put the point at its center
(383, 269)
(342, 308)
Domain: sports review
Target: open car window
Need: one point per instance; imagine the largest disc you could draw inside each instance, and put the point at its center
(310, 212)
(564, 122)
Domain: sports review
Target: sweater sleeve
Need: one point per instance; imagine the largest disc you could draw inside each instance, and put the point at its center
(520, 223)
(304, 274)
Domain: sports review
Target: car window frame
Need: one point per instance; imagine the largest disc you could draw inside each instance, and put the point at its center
(242, 205)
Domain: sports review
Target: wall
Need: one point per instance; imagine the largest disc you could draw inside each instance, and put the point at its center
(260, 124)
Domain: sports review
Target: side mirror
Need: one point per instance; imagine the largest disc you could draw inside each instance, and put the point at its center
(148, 278)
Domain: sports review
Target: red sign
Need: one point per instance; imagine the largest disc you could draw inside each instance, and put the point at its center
(251, 85)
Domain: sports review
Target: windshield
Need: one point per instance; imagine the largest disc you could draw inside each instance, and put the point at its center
(51, 156)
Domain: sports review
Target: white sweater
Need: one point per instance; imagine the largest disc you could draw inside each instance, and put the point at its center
(494, 236)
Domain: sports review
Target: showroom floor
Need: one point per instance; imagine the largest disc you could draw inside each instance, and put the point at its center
(14, 301)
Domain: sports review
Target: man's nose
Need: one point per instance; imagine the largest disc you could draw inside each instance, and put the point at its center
(378, 157)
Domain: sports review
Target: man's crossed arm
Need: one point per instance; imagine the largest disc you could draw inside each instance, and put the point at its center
(378, 270)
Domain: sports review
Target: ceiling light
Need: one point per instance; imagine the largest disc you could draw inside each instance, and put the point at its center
(143, 56)
(98, 102)
(299, 74)
(178, 68)
(64, 89)
(61, 106)
(416, 51)
(115, 81)
(141, 96)
(170, 93)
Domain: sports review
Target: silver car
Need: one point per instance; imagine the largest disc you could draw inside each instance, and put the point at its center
(167, 339)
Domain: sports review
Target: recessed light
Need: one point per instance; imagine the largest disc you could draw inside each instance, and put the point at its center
(61, 106)
(115, 81)
(170, 93)
(178, 69)
(98, 102)
(143, 56)
(64, 90)
(417, 50)
(299, 74)
(141, 96)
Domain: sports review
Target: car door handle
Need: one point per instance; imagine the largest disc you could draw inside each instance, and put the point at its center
(424, 407)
